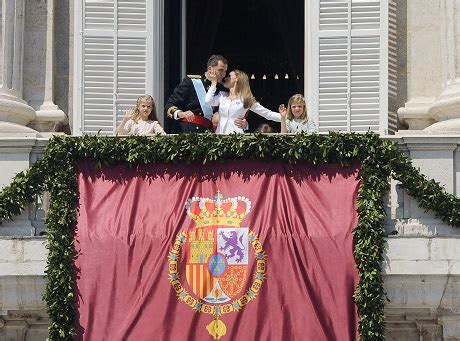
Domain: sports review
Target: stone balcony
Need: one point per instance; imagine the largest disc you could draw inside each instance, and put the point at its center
(421, 269)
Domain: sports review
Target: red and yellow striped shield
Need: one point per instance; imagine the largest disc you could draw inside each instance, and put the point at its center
(217, 260)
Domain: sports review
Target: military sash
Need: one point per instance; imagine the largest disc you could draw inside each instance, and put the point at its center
(201, 93)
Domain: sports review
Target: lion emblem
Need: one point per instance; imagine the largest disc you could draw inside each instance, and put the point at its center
(233, 245)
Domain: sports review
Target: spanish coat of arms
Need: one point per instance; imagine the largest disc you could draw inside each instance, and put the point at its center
(217, 252)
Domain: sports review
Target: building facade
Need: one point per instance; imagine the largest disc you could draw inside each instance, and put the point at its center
(386, 65)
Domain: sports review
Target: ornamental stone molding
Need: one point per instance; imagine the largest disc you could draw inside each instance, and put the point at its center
(13, 108)
(15, 113)
(445, 110)
(433, 66)
(49, 113)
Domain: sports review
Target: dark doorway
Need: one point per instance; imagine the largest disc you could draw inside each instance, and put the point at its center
(264, 38)
(172, 50)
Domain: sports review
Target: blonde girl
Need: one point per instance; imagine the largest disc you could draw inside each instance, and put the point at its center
(141, 120)
(294, 119)
(236, 103)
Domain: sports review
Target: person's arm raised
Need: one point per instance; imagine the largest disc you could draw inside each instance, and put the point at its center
(266, 113)
(211, 99)
(283, 112)
(121, 127)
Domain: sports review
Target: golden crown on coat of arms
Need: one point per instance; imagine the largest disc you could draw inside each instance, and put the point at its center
(218, 211)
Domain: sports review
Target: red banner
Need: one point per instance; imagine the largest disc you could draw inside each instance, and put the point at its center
(242, 250)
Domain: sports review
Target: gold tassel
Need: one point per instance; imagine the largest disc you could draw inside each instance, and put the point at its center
(216, 328)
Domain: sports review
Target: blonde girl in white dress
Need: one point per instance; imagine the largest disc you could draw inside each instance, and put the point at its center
(294, 119)
(141, 120)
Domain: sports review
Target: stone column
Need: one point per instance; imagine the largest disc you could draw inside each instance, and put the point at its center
(49, 113)
(433, 65)
(445, 110)
(424, 58)
(15, 113)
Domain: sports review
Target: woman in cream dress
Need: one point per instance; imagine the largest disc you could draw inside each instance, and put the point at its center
(236, 103)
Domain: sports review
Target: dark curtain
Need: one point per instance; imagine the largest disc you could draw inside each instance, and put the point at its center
(203, 19)
(172, 53)
(288, 17)
(259, 37)
(284, 55)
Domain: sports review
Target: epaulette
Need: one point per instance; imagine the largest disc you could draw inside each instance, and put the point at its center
(194, 76)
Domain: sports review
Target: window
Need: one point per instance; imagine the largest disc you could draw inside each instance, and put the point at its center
(113, 61)
(347, 50)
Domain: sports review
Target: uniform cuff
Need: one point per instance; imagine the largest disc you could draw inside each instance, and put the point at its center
(176, 114)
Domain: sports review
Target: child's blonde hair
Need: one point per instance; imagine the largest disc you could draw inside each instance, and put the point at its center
(243, 89)
(153, 113)
(297, 98)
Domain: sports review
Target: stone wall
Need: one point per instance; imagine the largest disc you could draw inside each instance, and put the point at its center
(34, 53)
(22, 310)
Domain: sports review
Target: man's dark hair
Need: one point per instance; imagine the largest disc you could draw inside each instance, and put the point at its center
(215, 58)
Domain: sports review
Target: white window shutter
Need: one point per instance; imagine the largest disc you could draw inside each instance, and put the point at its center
(333, 83)
(134, 44)
(111, 62)
(369, 66)
(98, 82)
(348, 65)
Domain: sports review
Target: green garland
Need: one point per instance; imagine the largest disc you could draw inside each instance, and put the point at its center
(380, 160)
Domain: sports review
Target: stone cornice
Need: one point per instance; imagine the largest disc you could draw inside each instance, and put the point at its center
(17, 144)
(417, 140)
(426, 146)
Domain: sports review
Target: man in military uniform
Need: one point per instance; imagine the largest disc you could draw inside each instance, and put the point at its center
(184, 105)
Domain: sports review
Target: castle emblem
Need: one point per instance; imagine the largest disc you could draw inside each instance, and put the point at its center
(217, 253)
